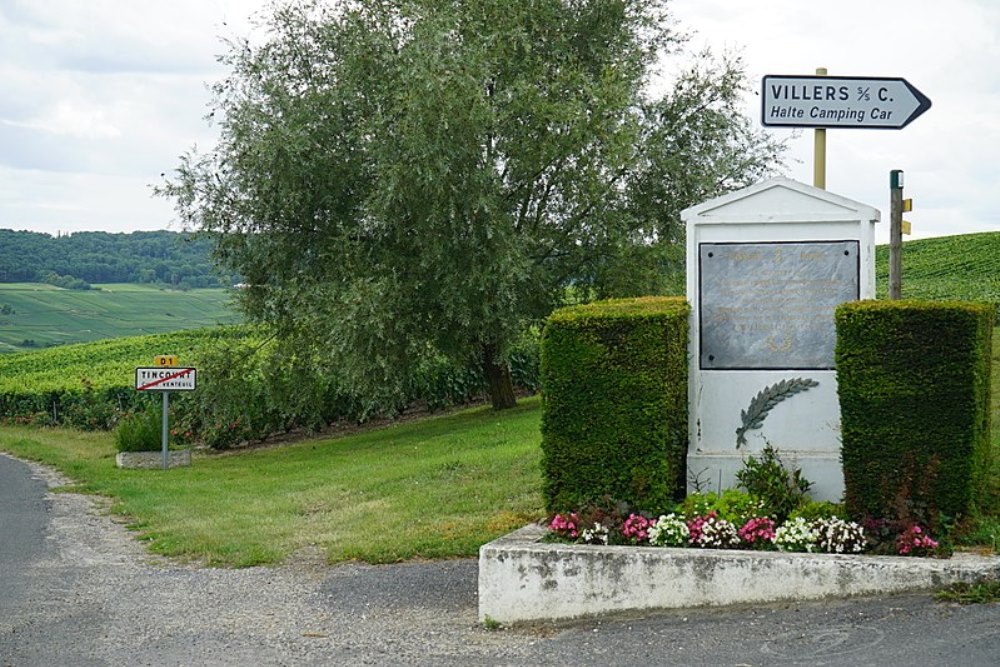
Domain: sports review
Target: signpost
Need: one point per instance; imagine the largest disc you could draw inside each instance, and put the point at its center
(841, 102)
(821, 102)
(897, 227)
(852, 102)
(165, 377)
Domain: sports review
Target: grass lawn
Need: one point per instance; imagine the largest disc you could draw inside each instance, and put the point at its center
(437, 488)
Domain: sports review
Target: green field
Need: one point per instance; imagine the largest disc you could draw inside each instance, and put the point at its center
(44, 315)
(952, 267)
(431, 489)
(965, 267)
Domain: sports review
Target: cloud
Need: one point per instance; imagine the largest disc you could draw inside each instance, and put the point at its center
(101, 97)
(73, 119)
(50, 202)
(951, 154)
(107, 123)
(109, 36)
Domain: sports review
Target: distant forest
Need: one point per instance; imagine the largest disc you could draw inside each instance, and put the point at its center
(78, 259)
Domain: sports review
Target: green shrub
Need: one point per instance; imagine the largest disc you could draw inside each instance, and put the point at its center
(90, 409)
(782, 490)
(614, 398)
(140, 432)
(914, 386)
(697, 504)
(250, 386)
(735, 506)
(90, 385)
(250, 390)
(523, 360)
(815, 510)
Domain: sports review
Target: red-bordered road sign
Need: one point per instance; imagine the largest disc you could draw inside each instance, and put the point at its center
(165, 379)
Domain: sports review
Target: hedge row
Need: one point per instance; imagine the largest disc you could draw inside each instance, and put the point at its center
(914, 385)
(248, 389)
(614, 391)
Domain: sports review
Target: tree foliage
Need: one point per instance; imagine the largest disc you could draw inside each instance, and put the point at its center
(394, 177)
(73, 260)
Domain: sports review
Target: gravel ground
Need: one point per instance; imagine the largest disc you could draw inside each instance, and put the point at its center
(98, 598)
(94, 596)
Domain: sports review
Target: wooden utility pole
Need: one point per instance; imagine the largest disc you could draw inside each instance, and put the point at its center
(896, 234)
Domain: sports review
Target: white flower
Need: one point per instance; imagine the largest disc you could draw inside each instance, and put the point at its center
(597, 534)
(796, 535)
(669, 531)
(719, 534)
(839, 536)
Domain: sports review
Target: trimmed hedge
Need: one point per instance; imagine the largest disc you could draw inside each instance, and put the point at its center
(614, 399)
(914, 385)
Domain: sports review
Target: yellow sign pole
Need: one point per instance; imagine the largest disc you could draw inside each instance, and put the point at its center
(819, 149)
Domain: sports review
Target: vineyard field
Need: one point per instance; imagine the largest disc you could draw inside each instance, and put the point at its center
(106, 364)
(34, 315)
(965, 267)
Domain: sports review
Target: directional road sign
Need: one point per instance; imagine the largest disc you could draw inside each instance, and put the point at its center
(165, 379)
(851, 101)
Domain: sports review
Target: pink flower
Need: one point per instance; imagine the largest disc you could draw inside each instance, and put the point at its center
(636, 528)
(913, 539)
(696, 527)
(757, 531)
(565, 526)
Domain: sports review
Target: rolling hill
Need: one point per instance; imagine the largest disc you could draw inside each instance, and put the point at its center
(965, 267)
(39, 315)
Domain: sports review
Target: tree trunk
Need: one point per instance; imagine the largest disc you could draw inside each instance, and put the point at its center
(498, 380)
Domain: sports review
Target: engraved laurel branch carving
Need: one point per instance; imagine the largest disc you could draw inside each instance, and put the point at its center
(753, 417)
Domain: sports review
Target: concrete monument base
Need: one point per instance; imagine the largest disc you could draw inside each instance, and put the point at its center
(522, 579)
(151, 460)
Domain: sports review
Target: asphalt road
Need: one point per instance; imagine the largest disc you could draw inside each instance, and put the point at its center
(23, 523)
(76, 589)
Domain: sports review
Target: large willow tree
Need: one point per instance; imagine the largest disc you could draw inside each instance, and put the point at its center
(394, 178)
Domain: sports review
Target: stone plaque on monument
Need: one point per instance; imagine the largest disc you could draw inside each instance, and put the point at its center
(771, 305)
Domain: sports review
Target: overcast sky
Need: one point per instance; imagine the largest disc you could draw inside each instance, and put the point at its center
(98, 98)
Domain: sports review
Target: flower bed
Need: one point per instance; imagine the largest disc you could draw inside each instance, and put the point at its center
(709, 531)
(771, 511)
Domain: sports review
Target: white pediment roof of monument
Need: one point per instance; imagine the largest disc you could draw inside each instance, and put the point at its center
(779, 199)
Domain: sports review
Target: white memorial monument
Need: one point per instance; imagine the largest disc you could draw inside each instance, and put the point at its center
(766, 267)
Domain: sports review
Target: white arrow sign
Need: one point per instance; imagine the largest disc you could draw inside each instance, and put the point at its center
(827, 101)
